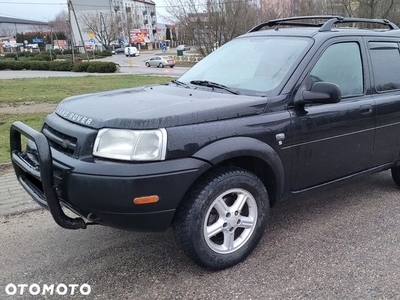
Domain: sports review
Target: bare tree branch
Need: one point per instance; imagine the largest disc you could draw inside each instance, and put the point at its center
(105, 26)
(207, 24)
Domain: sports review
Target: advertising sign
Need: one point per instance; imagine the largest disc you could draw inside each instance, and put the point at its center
(60, 44)
(139, 36)
(89, 45)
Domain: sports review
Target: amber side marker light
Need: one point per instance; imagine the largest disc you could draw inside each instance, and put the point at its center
(146, 199)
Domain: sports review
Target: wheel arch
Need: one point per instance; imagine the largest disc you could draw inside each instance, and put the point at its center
(250, 154)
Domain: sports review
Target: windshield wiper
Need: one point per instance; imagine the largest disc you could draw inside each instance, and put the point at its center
(177, 82)
(214, 85)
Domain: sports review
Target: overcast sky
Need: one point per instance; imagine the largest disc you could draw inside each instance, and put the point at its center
(45, 10)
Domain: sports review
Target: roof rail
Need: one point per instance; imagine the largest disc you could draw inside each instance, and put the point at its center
(325, 26)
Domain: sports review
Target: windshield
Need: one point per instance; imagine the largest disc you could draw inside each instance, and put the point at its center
(252, 64)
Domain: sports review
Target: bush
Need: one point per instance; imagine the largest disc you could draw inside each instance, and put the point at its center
(66, 57)
(18, 65)
(39, 65)
(101, 67)
(41, 56)
(82, 67)
(60, 66)
(4, 65)
(9, 55)
(91, 67)
(103, 53)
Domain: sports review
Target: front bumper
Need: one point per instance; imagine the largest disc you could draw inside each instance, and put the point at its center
(101, 192)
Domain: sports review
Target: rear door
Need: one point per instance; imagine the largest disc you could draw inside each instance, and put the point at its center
(385, 61)
(331, 141)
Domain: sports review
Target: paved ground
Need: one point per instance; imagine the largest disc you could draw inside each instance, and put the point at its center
(13, 198)
(340, 243)
(133, 65)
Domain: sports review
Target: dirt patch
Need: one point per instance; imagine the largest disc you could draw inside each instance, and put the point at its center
(27, 107)
(6, 169)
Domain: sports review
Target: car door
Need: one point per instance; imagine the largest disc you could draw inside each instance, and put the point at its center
(385, 61)
(330, 141)
(153, 61)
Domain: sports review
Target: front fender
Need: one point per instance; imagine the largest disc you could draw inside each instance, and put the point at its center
(229, 148)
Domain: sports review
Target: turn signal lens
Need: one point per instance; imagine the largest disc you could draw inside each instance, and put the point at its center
(146, 199)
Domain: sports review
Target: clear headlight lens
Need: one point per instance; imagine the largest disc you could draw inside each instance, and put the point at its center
(134, 145)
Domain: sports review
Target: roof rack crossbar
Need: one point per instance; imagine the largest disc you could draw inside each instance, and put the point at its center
(326, 26)
(329, 24)
(289, 21)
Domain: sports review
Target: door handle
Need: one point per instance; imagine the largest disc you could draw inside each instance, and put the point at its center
(366, 109)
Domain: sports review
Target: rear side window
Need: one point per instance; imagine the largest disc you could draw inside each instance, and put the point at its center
(385, 59)
(341, 64)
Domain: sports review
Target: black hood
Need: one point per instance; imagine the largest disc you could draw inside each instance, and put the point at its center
(156, 107)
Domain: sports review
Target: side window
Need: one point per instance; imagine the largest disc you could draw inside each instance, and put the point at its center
(341, 64)
(385, 59)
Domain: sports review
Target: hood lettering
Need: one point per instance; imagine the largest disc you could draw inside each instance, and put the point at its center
(73, 116)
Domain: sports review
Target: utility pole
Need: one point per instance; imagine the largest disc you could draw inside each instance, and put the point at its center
(79, 29)
(51, 40)
(16, 44)
(70, 28)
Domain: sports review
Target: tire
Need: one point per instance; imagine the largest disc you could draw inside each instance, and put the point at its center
(211, 206)
(147, 65)
(161, 65)
(171, 66)
(396, 175)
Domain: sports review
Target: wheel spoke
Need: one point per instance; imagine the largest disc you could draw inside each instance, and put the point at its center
(221, 207)
(246, 222)
(240, 201)
(229, 238)
(215, 228)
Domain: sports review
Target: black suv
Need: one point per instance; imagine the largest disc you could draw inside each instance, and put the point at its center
(270, 114)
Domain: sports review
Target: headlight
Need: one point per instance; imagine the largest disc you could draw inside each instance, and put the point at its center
(135, 145)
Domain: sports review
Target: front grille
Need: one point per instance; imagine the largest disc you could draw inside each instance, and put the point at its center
(60, 141)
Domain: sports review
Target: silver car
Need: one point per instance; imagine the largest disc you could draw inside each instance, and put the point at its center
(160, 61)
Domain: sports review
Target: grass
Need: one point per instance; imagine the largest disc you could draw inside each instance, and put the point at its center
(57, 88)
(33, 120)
(54, 90)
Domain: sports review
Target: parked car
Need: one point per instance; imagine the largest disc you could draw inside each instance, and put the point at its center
(183, 47)
(131, 51)
(160, 61)
(267, 116)
(118, 51)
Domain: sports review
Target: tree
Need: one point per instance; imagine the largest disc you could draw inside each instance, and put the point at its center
(380, 9)
(209, 23)
(106, 27)
(7, 30)
(60, 23)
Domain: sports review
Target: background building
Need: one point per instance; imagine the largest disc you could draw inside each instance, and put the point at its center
(10, 27)
(112, 22)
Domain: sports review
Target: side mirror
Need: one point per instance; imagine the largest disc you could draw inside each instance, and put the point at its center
(321, 92)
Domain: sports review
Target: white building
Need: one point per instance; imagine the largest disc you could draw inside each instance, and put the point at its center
(136, 19)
